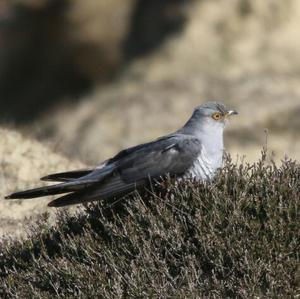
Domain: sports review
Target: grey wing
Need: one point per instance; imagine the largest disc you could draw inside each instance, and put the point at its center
(67, 176)
(171, 155)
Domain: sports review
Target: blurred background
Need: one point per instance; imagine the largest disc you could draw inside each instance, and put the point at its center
(92, 77)
(85, 79)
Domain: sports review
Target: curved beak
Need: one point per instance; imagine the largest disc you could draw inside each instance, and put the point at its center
(231, 112)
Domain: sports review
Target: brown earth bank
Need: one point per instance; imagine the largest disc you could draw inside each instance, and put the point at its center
(56, 50)
(23, 161)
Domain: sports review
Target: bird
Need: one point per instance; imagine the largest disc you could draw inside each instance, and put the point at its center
(195, 151)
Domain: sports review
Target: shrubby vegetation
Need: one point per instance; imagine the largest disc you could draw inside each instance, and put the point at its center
(237, 236)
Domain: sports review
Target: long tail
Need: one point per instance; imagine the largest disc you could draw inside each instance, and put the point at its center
(54, 189)
(114, 188)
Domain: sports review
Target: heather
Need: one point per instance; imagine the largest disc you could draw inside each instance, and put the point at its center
(237, 236)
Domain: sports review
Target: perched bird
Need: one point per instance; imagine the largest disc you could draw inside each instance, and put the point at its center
(194, 151)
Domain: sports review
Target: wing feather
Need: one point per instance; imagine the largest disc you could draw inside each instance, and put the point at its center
(173, 158)
(128, 170)
(113, 189)
(67, 176)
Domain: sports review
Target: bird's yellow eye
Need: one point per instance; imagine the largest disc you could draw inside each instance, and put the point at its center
(216, 116)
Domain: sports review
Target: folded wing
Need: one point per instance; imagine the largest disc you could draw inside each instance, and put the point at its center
(134, 168)
(130, 169)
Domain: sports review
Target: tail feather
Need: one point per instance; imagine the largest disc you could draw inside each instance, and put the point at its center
(115, 189)
(66, 176)
(52, 190)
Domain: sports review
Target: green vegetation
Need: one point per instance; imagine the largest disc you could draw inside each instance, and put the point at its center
(237, 236)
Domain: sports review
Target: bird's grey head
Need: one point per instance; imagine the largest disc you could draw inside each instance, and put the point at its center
(208, 118)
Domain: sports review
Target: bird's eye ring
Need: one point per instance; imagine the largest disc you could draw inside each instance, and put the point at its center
(217, 116)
